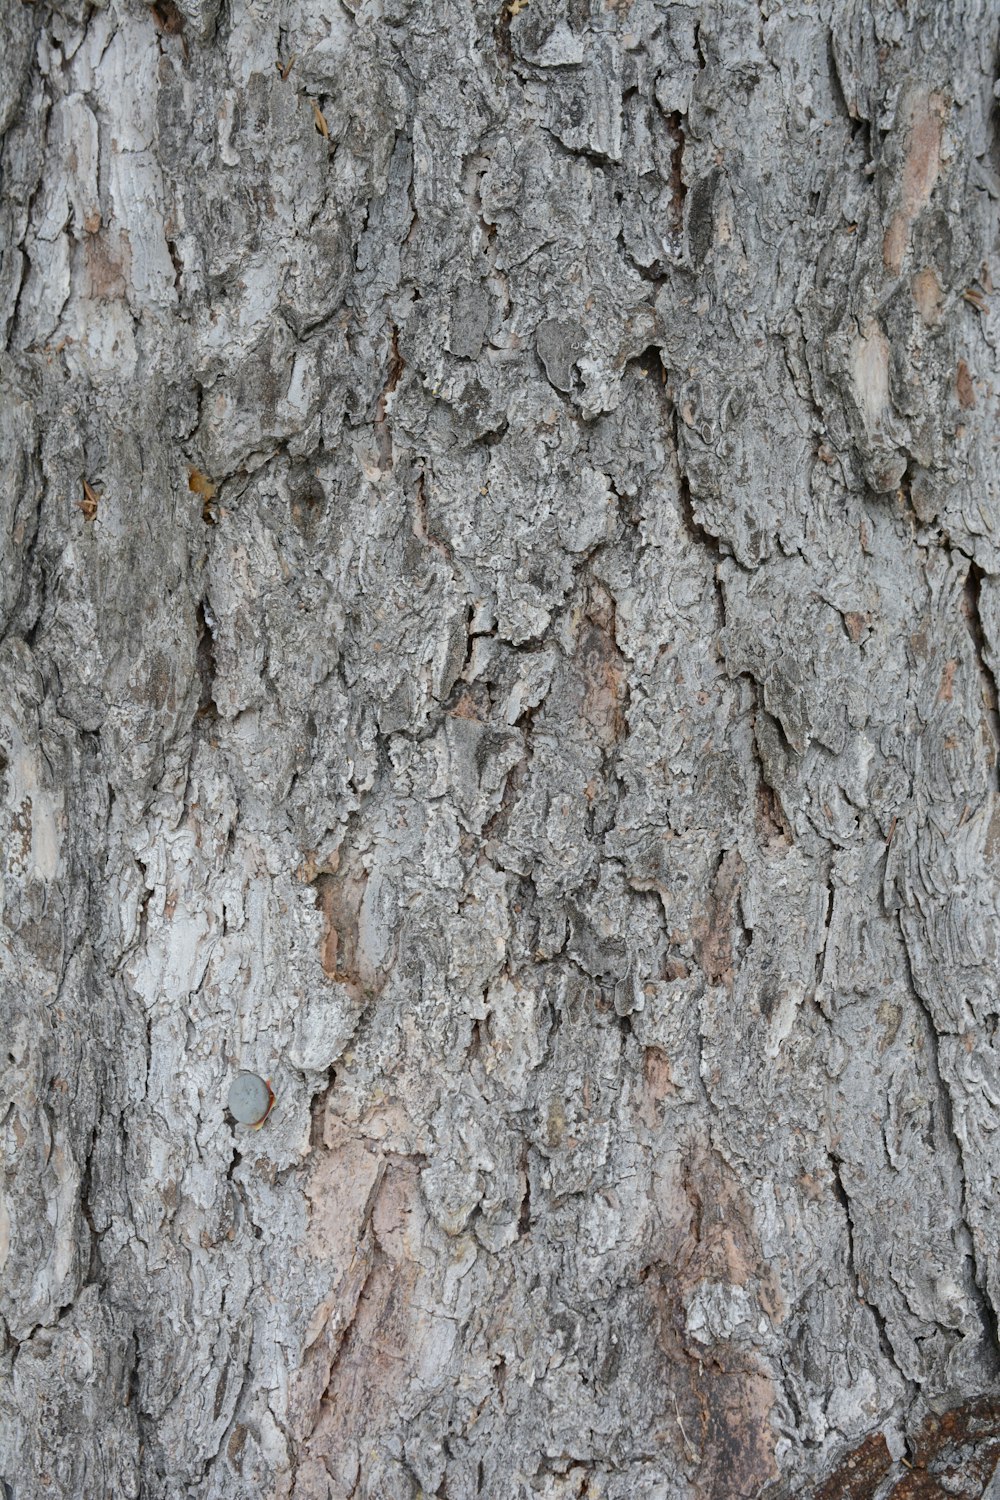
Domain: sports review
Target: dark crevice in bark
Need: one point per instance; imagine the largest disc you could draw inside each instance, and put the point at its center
(167, 18)
(317, 1110)
(721, 919)
(655, 273)
(678, 187)
(691, 522)
(235, 1160)
(29, 610)
(702, 59)
(524, 1213)
(974, 623)
(471, 637)
(25, 273)
(177, 262)
(988, 1314)
(475, 1047)
(205, 665)
(494, 435)
(837, 90)
(383, 427)
(86, 1208)
(775, 824)
(843, 1198)
(325, 888)
(134, 1378)
(698, 532)
(600, 160)
(501, 35)
(821, 955)
(421, 523)
(650, 365)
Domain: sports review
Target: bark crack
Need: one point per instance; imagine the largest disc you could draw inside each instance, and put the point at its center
(843, 1198)
(988, 1313)
(974, 623)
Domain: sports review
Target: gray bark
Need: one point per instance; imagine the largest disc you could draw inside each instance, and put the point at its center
(500, 610)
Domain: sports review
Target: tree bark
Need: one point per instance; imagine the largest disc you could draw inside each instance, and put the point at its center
(501, 614)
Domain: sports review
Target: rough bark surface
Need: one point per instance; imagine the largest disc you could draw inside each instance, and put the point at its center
(501, 614)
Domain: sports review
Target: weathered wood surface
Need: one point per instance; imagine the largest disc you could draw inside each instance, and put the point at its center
(500, 605)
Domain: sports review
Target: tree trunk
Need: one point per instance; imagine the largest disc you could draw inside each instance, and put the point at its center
(501, 607)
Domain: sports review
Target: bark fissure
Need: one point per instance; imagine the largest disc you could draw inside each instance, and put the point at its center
(863, 1291)
(973, 620)
(986, 1309)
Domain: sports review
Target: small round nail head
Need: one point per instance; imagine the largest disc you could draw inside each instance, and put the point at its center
(250, 1099)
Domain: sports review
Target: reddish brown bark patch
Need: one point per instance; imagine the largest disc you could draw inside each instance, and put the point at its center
(340, 890)
(376, 1355)
(954, 1454)
(108, 263)
(964, 388)
(718, 1404)
(738, 1439)
(928, 296)
(923, 120)
(717, 1411)
(947, 689)
(860, 1473)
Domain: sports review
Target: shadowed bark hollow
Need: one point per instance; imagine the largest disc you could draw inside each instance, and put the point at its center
(499, 633)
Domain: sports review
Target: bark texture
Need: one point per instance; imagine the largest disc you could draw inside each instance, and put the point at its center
(500, 610)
